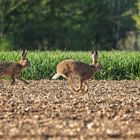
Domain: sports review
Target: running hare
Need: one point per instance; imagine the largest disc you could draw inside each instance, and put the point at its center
(13, 69)
(70, 68)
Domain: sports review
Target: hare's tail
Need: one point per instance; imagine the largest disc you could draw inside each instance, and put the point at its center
(56, 76)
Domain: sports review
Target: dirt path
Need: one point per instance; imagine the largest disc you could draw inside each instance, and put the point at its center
(49, 110)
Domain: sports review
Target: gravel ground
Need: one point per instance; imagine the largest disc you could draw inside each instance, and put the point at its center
(47, 109)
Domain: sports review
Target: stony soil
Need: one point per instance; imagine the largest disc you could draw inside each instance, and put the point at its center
(47, 109)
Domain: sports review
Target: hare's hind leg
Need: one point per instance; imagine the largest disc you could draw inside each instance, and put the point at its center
(70, 81)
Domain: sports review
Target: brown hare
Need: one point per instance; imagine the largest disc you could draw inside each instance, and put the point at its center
(70, 68)
(13, 70)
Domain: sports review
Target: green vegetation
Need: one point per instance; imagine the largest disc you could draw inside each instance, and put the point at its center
(117, 65)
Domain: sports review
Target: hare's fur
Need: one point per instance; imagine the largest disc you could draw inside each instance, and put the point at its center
(13, 69)
(70, 68)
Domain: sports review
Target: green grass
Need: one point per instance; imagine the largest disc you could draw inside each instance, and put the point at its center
(117, 65)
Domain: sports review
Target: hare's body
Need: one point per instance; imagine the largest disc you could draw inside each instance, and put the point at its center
(13, 69)
(10, 69)
(82, 70)
(71, 68)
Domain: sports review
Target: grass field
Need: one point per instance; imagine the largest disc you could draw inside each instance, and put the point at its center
(117, 65)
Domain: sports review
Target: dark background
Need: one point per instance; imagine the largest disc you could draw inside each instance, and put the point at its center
(69, 24)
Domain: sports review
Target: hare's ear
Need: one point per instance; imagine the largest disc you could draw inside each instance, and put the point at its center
(24, 53)
(94, 56)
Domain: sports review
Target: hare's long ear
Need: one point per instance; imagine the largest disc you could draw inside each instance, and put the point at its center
(24, 53)
(94, 57)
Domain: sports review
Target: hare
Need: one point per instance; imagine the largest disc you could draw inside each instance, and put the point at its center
(69, 68)
(13, 70)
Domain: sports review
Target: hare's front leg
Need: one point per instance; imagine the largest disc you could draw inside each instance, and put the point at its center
(86, 86)
(13, 80)
(81, 82)
(80, 85)
(21, 79)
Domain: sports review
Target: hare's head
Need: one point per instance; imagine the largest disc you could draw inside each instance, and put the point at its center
(94, 59)
(24, 61)
(98, 66)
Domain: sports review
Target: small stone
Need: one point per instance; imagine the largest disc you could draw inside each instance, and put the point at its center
(113, 133)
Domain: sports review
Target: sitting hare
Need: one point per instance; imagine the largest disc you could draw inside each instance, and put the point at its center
(13, 69)
(70, 68)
